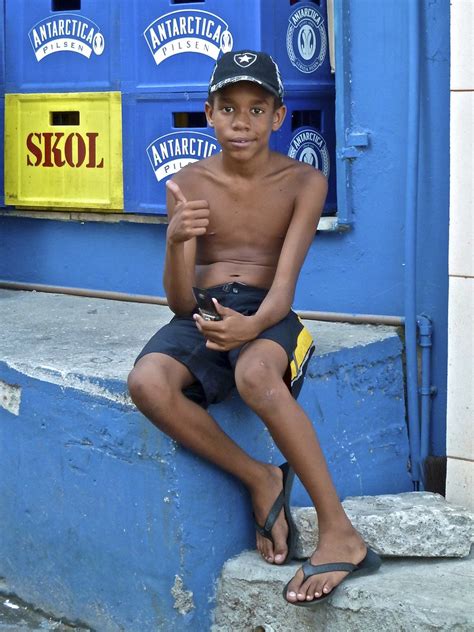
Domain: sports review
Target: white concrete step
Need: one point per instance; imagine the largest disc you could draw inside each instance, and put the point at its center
(405, 595)
(419, 587)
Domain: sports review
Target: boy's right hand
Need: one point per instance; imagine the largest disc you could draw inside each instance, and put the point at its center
(189, 219)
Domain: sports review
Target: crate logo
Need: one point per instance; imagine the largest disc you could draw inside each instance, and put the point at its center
(57, 149)
(307, 145)
(306, 39)
(171, 152)
(188, 31)
(66, 34)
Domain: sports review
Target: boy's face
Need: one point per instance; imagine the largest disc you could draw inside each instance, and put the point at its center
(243, 115)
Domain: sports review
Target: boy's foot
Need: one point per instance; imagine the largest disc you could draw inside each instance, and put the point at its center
(346, 547)
(275, 529)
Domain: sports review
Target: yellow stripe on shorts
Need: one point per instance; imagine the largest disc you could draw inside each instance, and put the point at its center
(301, 353)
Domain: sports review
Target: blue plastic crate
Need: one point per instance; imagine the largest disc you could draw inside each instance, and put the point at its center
(161, 134)
(299, 40)
(164, 132)
(172, 46)
(62, 50)
(308, 134)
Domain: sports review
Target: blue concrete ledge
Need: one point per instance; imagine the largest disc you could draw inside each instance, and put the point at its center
(107, 521)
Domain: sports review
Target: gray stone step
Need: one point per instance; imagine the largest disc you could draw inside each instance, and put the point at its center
(405, 595)
(412, 524)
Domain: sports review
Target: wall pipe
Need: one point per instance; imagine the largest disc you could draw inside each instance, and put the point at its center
(335, 317)
(410, 237)
(85, 292)
(425, 330)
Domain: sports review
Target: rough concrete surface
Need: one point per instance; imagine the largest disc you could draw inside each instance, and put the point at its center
(412, 524)
(17, 616)
(10, 397)
(403, 596)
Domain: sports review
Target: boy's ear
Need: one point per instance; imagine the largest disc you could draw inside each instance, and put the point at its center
(278, 117)
(209, 110)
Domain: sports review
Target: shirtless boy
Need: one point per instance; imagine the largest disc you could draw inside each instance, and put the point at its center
(241, 223)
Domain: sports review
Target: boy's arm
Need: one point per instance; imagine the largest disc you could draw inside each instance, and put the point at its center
(309, 204)
(236, 329)
(187, 220)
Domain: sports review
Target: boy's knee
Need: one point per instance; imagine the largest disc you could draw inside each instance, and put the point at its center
(137, 385)
(259, 384)
(145, 383)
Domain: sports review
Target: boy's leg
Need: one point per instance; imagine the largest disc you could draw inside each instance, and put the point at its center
(155, 385)
(259, 377)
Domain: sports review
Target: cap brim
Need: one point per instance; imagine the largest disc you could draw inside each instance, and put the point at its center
(222, 84)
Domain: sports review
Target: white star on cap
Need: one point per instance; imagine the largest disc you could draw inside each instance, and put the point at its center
(244, 58)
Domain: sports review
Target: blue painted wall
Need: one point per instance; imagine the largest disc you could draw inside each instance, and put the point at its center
(359, 271)
(2, 96)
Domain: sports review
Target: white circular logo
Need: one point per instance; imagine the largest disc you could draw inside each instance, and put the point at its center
(306, 42)
(227, 41)
(309, 146)
(309, 156)
(306, 39)
(98, 44)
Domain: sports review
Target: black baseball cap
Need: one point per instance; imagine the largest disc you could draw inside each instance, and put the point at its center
(246, 65)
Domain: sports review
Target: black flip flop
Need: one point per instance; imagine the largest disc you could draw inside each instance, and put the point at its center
(283, 501)
(369, 564)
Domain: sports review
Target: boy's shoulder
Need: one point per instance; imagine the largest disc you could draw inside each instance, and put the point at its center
(296, 167)
(300, 178)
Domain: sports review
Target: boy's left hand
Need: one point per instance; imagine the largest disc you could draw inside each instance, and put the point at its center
(234, 330)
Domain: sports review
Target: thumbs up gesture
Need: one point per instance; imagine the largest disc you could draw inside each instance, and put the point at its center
(189, 219)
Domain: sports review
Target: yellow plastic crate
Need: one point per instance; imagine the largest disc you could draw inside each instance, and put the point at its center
(64, 150)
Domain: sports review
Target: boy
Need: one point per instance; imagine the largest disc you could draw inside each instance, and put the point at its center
(241, 223)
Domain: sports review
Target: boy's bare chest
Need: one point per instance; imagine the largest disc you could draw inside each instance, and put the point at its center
(257, 211)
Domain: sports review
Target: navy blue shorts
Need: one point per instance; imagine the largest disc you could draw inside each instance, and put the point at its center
(214, 370)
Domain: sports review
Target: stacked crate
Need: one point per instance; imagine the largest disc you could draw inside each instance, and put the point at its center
(169, 48)
(170, 53)
(63, 105)
(86, 77)
(300, 43)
